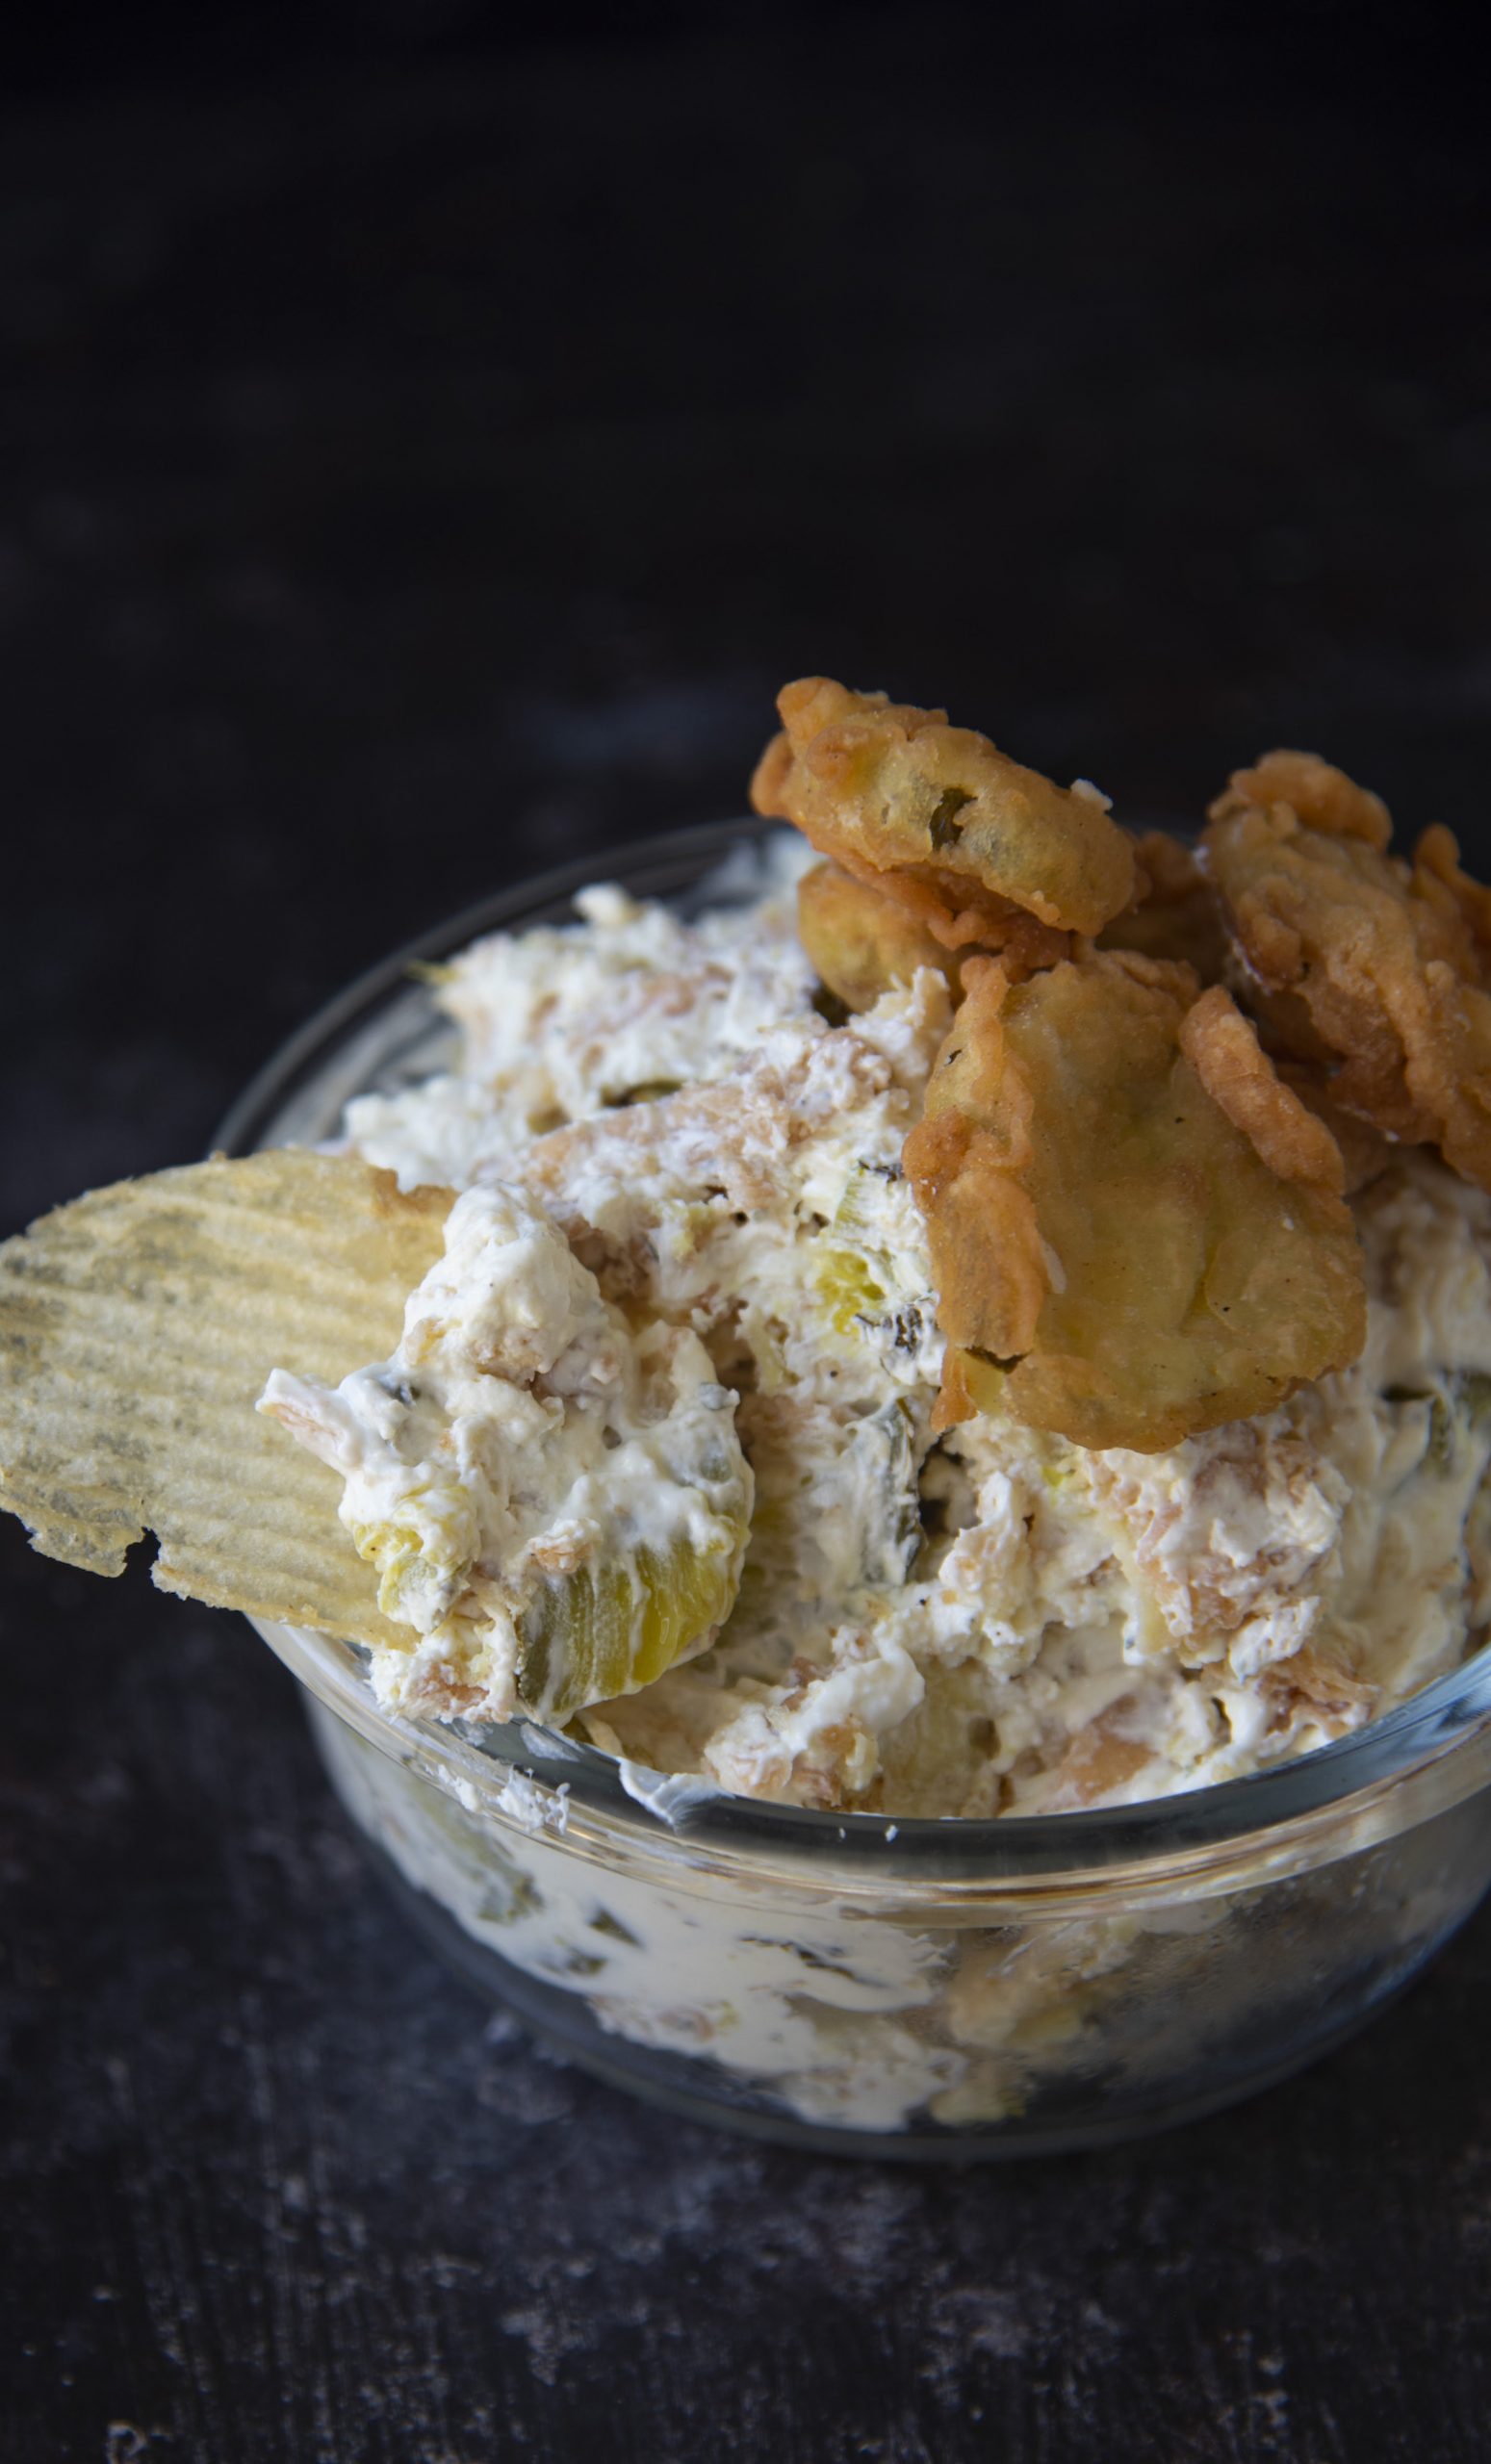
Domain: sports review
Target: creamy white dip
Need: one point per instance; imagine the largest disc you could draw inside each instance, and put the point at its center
(686, 1227)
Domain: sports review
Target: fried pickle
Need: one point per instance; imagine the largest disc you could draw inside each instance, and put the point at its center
(1119, 1256)
(1463, 903)
(967, 841)
(1363, 1150)
(863, 942)
(1175, 914)
(1322, 796)
(1373, 971)
(1223, 1050)
(860, 942)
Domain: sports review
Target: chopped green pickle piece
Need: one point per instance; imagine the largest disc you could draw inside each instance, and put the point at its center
(611, 1628)
(849, 1289)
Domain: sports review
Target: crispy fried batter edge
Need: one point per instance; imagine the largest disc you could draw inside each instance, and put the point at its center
(1323, 798)
(1223, 1050)
(1117, 1257)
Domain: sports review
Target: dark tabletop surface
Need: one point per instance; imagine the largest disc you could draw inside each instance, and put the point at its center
(422, 461)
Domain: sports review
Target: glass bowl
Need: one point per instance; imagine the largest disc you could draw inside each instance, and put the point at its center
(852, 1982)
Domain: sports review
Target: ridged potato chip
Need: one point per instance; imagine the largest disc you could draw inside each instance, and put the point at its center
(136, 1328)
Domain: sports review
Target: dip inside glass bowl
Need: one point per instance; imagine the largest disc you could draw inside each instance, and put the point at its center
(847, 1980)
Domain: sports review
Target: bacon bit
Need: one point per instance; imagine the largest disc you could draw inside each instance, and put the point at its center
(1098, 1761)
(1319, 1680)
(839, 1766)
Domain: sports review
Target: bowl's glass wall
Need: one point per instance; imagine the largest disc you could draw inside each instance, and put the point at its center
(898, 1988)
(907, 2022)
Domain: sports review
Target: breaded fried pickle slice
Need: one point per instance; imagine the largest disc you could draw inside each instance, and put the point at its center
(969, 841)
(1136, 1229)
(1373, 970)
(861, 940)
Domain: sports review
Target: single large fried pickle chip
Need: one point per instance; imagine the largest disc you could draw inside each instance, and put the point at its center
(971, 843)
(1373, 970)
(136, 1328)
(1115, 1258)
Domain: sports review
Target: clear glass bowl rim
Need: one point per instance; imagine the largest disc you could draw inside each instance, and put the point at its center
(1446, 1719)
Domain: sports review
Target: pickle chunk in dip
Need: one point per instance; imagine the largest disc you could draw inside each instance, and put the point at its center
(555, 1502)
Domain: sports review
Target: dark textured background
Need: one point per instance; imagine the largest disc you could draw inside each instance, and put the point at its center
(421, 458)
